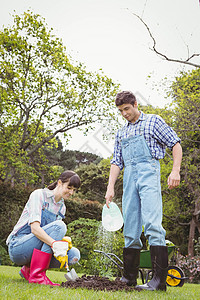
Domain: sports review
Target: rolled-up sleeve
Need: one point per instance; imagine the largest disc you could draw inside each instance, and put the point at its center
(117, 154)
(35, 206)
(164, 133)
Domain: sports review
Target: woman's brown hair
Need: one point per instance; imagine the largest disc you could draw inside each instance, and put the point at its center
(67, 176)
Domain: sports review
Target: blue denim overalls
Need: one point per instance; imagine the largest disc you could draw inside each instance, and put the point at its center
(142, 200)
(22, 244)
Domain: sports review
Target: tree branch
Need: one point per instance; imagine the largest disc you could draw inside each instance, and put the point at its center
(61, 130)
(176, 220)
(186, 62)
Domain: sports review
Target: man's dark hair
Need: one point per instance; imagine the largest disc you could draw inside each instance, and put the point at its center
(125, 97)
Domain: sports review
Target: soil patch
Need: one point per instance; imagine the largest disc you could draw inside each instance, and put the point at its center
(98, 283)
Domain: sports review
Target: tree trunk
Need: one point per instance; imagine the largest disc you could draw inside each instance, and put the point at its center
(191, 237)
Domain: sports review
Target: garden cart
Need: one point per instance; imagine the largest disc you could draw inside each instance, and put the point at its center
(175, 276)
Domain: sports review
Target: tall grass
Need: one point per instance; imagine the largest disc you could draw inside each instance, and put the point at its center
(12, 286)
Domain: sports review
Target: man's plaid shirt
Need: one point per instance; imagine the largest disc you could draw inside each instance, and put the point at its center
(157, 134)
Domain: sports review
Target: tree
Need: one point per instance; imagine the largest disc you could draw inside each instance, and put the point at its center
(94, 180)
(42, 94)
(182, 205)
(186, 94)
(185, 91)
(93, 183)
(72, 159)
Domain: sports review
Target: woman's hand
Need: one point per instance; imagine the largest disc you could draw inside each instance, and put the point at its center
(60, 249)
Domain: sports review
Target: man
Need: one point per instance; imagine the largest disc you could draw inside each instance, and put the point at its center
(138, 147)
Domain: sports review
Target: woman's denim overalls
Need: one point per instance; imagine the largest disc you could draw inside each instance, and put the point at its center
(142, 200)
(22, 244)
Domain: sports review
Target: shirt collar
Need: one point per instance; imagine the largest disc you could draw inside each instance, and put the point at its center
(50, 194)
(142, 117)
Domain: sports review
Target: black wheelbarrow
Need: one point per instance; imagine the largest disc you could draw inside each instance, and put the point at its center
(175, 276)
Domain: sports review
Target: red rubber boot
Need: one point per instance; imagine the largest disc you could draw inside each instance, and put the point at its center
(39, 265)
(25, 272)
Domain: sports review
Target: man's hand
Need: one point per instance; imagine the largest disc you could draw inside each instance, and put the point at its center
(173, 179)
(109, 195)
(114, 173)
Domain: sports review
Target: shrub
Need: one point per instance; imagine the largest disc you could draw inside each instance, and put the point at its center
(13, 200)
(107, 242)
(88, 235)
(83, 233)
(190, 266)
(77, 208)
(4, 257)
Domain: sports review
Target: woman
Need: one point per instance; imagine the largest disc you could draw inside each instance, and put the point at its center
(40, 229)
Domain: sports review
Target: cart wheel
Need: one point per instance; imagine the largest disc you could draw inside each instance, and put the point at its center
(174, 271)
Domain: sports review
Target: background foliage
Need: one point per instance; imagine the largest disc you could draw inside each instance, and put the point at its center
(43, 95)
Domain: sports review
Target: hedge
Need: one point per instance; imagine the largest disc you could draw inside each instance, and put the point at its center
(13, 200)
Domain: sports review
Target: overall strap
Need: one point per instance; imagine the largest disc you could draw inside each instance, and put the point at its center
(46, 205)
(59, 213)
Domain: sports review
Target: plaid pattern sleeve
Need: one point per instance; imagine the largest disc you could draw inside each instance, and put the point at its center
(117, 155)
(164, 134)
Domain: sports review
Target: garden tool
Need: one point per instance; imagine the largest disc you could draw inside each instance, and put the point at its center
(112, 219)
(70, 275)
(60, 249)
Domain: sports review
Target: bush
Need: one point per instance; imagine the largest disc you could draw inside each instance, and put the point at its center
(108, 242)
(13, 200)
(4, 257)
(77, 208)
(83, 233)
(88, 235)
(190, 266)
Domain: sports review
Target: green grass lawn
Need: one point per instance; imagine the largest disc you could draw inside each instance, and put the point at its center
(12, 286)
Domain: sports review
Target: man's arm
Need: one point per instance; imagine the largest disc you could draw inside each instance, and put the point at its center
(114, 173)
(174, 177)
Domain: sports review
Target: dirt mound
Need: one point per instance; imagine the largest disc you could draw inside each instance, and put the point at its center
(98, 283)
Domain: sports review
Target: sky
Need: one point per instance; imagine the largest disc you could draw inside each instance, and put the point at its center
(105, 34)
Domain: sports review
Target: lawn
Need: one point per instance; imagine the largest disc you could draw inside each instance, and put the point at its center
(12, 286)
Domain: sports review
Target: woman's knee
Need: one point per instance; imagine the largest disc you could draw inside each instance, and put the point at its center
(73, 256)
(61, 227)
